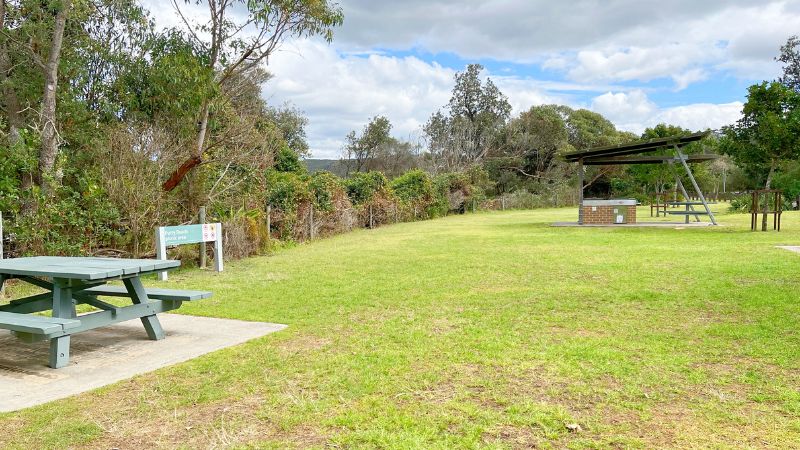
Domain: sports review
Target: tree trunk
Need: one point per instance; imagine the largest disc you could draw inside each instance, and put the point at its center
(49, 149)
(193, 161)
(766, 196)
(179, 174)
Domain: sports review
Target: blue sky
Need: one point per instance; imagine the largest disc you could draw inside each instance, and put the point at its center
(638, 62)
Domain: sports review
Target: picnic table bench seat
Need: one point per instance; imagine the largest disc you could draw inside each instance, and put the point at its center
(153, 293)
(40, 325)
(687, 213)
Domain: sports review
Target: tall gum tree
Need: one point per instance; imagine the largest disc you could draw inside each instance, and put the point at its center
(790, 57)
(768, 134)
(461, 136)
(50, 139)
(238, 37)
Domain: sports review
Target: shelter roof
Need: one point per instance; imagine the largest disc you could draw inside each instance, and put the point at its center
(592, 155)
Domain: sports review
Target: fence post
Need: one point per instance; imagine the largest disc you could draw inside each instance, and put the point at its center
(311, 222)
(395, 214)
(503, 202)
(415, 213)
(269, 222)
(202, 215)
(370, 216)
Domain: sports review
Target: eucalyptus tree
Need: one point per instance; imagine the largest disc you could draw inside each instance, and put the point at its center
(292, 124)
(588, 129)
(237, 37)
(361, 149)
(531, 143)
(461, 135)
(49, 149)
(768, 134)
(790, 57)
(34, 32)
(61, 54)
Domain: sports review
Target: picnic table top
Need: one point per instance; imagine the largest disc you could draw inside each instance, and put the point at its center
(82, 268)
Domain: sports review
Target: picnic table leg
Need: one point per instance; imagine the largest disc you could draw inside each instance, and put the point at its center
(138, 296)
(59, 352)
(63, 308)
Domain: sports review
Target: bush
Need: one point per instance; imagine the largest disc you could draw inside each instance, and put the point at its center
(244, 234)
(323, 188)
(362, 186)
(285, 190)
(742, 203)
(414, 186)
(452, 191)
(71, 223)
(287, 161)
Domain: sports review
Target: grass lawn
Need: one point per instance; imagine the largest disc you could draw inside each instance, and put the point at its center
(487, 330)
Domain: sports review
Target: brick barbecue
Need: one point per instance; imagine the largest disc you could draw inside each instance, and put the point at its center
(609, 212)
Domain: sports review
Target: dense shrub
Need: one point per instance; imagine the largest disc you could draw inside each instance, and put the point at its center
(362, 186)
(452, 191)
(75, 223)
(285, 190)
(287, 161)
(744, 203)
(741, 203)
(414, 186)
(323, 188)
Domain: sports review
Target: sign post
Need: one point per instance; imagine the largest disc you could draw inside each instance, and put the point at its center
(189, 234)
(202, 244)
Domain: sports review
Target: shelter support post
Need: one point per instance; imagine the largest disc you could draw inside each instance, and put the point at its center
(682, 159)
(580, 191)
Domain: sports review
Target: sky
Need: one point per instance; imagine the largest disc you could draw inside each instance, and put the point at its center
(637, 62)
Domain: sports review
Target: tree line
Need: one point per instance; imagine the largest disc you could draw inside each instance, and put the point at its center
(110, 127)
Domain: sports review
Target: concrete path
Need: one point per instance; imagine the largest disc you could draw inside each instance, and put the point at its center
(107, 355)
(636, 225)
(791, 248)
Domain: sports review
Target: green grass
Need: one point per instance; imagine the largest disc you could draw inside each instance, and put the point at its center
(490, 330)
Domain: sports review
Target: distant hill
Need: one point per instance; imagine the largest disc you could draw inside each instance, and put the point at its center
(330, 165)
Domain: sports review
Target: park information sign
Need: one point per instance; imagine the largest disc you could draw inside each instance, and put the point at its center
(189, 234)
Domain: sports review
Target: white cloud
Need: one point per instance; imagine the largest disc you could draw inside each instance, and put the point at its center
(636, 63)
(683, 80)
(624, 109)
(634, 111)
(699, 116)
(341, 92)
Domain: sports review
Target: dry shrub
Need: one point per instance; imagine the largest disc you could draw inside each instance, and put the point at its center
(456, 199)
(243, 236)
(382, 207)
(134, 161)
(340, 219)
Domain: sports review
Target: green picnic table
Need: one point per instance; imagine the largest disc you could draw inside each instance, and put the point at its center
(80, 280)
